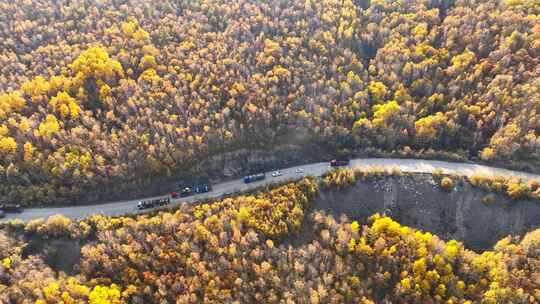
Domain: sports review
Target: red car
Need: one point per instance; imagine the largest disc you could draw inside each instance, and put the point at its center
(339, 163)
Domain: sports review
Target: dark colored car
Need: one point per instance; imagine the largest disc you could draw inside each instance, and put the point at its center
(143, 205)
(2, 214)
(191, 190)
(11, 208)
(163, 201)
(253, 178)
(186, 191)
(339, 162)
(203, 188)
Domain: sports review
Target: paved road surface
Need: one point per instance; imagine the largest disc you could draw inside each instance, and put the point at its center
(316, 169)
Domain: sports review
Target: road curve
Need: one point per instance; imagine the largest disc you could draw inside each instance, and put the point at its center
(316, 169)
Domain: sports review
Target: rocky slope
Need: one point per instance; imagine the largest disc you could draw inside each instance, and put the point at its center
(418, 201)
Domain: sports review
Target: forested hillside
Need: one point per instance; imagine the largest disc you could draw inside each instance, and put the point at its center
(94, 93)
(234, 251)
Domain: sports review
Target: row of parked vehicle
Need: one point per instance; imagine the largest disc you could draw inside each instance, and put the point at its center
(185, 191)
(261, 176)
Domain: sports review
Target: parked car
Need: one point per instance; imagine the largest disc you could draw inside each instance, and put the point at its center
(186, 191)
(339, 162)
(17, 208)
(144, 205)
(202, 188)
(299, 170)
(153, 203)
(164, 201)
(276, 173)
(253, 178)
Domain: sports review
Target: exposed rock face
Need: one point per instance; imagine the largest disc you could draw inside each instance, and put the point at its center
(419, 202)
(244, 161)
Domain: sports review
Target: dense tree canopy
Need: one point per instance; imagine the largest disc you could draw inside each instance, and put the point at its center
(121, 91)
(239, 249)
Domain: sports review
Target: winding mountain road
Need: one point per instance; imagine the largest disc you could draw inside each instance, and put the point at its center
(316, 169)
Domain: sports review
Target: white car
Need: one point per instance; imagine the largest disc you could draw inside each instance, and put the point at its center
(299, 170)
(276, 173)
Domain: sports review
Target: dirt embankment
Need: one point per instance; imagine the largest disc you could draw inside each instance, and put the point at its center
(419, 202)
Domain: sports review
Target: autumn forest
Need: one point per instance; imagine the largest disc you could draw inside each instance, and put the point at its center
(94, 93)
(239, 250)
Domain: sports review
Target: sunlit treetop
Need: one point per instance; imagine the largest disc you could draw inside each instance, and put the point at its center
(95, 63)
